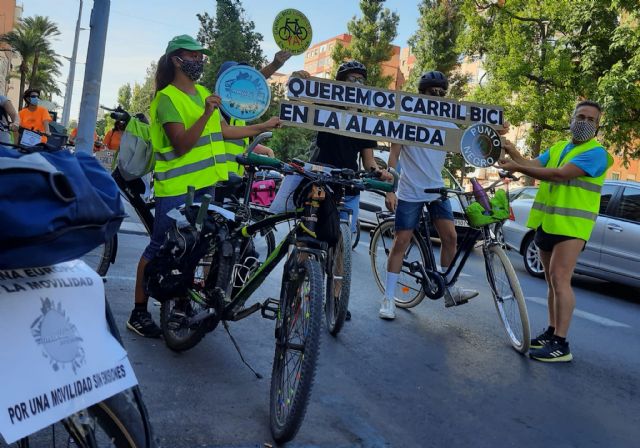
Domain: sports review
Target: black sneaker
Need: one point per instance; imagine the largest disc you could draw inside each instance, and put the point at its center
(348, 316)
(553, 351)
(542, 339)
(141, 322)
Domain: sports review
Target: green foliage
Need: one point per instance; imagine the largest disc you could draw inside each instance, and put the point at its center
(231, 37)
(142, 94)
(124, 96)
(435, 44)
(101, 127)
(372, 35)
(542, 56)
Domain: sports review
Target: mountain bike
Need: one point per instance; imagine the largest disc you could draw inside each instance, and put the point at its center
(292, 28)
(120, 420)
(419, 276)
(228, 273)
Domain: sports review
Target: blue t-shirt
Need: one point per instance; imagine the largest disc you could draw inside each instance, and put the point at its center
(593, 162)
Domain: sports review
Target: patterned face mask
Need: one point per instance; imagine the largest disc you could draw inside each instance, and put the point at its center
(582, 130)
(193, 69)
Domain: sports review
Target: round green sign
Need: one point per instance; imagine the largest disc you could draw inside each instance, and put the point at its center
(292, 31)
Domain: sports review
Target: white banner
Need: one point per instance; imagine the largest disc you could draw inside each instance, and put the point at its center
(58, 355)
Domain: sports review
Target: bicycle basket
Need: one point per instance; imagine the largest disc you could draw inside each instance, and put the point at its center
(476, 214)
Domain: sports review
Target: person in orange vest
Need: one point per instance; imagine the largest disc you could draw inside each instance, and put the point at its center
(35, 117)
(112, 139)
(74, 134)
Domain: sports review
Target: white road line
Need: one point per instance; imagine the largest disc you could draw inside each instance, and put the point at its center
(585, 315)
(117, 277)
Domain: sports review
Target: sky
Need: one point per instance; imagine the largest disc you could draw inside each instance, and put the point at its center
(140, 29)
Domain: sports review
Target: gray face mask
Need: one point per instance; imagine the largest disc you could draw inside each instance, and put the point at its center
(582, 130)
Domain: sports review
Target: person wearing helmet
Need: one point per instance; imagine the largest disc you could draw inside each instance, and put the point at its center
(33, 116)
(421, 169)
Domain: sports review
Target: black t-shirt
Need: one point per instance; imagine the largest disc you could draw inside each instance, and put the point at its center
(340, 151)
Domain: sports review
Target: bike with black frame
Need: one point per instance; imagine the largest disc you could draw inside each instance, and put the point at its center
(420, 277)
(121, 420)
(224, 273)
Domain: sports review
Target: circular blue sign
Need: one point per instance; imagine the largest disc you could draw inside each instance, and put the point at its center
(244, 92)
(481, 145)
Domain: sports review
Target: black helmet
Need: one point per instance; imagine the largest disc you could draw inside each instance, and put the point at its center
(433, 78)
(27, 93)
(350, 67)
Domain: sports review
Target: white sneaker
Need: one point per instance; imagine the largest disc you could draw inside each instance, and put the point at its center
(388, 309)
(456, 295)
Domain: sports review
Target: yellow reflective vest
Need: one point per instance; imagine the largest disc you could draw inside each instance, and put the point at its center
(203, 165)
(568, 208)
(235, 147)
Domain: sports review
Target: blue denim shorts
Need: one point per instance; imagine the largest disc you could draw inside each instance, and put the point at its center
(162, 222)
(408, 213)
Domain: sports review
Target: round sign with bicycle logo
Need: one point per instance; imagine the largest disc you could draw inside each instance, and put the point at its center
(244, 92)
(292, 31)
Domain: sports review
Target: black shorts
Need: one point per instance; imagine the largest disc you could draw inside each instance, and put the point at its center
(546, 241)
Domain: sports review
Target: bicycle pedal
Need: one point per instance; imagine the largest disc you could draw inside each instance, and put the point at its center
(269, 309)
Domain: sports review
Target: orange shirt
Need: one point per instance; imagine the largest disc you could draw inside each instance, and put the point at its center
(34, 119)
(74, 134)
(112, 139)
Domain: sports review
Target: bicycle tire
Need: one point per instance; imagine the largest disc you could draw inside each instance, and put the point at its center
(337, 304)
(288, 404)
(504, 300)
(302, 33)
(412, 292)
(356, 238)
(119, 421)
(182, 338)
(100, 258)
(284, 31)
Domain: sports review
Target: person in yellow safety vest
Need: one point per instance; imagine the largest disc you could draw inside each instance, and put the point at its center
(187, 137)
(564, 213)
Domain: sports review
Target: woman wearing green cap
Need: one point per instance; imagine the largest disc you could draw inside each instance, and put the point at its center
(187, 135)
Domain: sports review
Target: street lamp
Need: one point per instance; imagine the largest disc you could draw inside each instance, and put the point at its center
(68, 94)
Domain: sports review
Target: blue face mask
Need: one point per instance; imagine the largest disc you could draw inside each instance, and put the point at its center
(33, 100)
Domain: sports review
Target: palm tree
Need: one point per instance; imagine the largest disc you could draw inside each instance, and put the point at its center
(24, 42)
(46, 29)
(47, 74)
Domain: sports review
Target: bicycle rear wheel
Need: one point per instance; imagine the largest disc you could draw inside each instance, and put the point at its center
(338, 282)
(508, 297)
(297, 346)
(100, 258)
(409, 291)
(114, 422)
(355, 239)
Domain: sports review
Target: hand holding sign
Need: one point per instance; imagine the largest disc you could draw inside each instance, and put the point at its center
(292, 31)
(244, 92)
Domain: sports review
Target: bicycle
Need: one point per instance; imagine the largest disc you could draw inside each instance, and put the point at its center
(120, 420)
(286, 32)
(419, 276)
(227, 275)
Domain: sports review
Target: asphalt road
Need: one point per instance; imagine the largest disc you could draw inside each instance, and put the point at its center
(433, 377)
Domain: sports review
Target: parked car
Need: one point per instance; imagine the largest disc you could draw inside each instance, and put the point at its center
(613, 251)
(371, 203)
(528, 192)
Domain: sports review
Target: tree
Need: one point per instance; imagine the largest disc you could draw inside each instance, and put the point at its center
(124, 96)
(47, 74)
(372, 35)
(142, 94)
(231, 37)
(45, 29)
(543, 56)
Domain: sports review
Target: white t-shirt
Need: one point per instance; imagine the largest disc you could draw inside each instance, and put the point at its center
(421, 167)
(5, 137)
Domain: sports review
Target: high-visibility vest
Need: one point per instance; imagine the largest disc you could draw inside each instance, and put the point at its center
(235, 147)
(568, 208)
(204, 164)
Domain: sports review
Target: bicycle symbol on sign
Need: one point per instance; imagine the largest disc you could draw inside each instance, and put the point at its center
(292, 30)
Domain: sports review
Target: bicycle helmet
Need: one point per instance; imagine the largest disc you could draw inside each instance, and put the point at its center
(226, 65)
(433, 78)
(350, 67)
(27, 93)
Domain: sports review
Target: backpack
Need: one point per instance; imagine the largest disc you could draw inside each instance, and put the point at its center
(135, 157)
(263, 192)
(55, 206)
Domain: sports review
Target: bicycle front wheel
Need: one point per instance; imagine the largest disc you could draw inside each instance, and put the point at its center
(356, 236)
(100, 258)
(508, 297)
(338, 282)
(409, 291)
(297, 347)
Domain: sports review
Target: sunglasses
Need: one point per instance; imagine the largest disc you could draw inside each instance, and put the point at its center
(354, 78)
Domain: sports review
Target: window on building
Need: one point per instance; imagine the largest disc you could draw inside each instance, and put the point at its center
(631, 177)
(323, 48)
(615, 176)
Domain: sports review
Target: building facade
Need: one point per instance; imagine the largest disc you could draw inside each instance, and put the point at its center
(10, 14)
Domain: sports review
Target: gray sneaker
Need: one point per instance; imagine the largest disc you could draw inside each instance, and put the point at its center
(456, 295)
(388, 309)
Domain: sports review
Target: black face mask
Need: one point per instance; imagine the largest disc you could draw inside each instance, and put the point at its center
(193, 69)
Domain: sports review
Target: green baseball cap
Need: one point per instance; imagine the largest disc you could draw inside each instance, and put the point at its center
(186, 42)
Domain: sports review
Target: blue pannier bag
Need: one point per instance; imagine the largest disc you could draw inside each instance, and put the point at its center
(55, 206)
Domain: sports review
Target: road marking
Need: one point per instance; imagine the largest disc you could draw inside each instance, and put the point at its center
(117, 277)
(585, 315)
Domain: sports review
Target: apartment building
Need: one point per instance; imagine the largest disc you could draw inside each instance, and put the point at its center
(10, 14)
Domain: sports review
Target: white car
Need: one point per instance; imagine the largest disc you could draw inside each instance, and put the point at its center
(613, 251)
(372, 203)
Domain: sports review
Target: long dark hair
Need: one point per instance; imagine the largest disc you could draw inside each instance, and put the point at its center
(165, 71)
